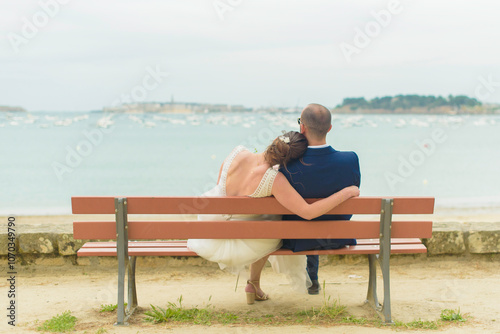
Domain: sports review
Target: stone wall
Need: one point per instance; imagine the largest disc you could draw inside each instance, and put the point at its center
(50, 242)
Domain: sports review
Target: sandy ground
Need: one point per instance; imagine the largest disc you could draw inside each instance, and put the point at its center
(420, 290)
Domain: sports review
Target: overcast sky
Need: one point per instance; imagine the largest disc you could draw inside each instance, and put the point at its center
(83, 55)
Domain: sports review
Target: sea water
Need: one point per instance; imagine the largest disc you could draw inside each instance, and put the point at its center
(47, 157)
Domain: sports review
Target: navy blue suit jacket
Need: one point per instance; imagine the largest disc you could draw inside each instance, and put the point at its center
(324, 172)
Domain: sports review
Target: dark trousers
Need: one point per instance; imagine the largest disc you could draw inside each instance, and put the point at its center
(298, 245)
(313, 266)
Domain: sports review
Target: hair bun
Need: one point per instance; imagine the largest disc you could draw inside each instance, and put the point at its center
(289, 146)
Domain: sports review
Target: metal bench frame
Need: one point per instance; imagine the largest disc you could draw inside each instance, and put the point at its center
(377, 250)
(128, 263)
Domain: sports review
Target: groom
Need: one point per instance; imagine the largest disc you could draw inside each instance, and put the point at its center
(323, 172)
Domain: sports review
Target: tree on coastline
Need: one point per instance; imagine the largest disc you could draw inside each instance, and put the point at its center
(409, 101)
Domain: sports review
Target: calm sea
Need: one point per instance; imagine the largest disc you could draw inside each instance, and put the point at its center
(47, 157)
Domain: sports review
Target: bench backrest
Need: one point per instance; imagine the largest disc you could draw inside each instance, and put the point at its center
(187, 206)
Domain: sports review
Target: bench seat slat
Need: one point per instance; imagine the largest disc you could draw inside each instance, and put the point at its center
(360, 249)
(241, 205)
(184, 251)
(183, 243)
(394, 241)
(145, 251)
(251, 229)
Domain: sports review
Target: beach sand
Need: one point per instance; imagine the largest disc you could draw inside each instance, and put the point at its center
(420, 290)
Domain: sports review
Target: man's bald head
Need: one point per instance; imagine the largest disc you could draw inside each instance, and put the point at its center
(317, 119)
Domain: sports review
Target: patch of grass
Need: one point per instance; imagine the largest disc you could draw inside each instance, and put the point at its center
(353, 320)
(177, 313)
(417, 324)
(227, 318)
(109, 307)
(452, 315)
(331, 309)
(447, 316)
(331, 312)
(101, 331)
(59, 324)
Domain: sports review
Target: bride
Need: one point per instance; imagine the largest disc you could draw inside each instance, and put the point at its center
(252, 174)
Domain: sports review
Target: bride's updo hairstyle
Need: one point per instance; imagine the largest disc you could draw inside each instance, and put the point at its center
(289, 146)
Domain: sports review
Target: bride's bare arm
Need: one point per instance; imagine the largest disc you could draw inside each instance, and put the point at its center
(220, 172)
(290, 199)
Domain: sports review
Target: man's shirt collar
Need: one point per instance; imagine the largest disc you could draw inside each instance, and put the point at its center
(319, 146)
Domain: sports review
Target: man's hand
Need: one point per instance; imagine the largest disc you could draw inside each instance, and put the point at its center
(352, 191)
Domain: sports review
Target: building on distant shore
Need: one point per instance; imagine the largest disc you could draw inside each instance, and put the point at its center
(176, 107)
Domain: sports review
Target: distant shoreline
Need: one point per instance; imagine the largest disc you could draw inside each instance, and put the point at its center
(345, 110)
(390, 105)
(12, 109)
(495, 112)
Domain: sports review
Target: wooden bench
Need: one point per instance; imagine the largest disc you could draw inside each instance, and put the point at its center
(376, 239)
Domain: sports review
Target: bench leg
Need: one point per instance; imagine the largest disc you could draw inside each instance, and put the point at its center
(132, 293)
(120, 310)
(385, 255)
(371, 296)
(122, 314)
(386, 307)
(384, 310)
(122, 254)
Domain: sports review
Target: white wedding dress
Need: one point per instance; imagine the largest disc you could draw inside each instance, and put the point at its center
(236, 255)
